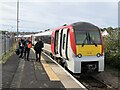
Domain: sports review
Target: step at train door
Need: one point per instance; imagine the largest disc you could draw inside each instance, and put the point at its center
(64, 44)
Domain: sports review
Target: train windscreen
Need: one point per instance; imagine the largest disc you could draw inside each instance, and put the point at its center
(90, 37)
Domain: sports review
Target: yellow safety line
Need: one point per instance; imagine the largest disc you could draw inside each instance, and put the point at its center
(49, 71)
(32, 50)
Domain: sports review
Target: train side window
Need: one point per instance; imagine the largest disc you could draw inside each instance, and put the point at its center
(56, 41)
(47, 39)
(35, 39)
(64, 41)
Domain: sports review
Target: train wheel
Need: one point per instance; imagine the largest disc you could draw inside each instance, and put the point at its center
(51, 56)
(65, 66)
(59, 60)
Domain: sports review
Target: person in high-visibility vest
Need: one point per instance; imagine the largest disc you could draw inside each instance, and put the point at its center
(28, 45)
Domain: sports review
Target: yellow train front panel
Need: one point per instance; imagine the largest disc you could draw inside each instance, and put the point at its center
(88, 50)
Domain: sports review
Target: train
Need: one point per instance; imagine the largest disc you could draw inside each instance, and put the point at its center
(79, 46)
(24, 36)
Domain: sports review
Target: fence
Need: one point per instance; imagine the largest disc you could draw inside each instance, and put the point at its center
(6, 43)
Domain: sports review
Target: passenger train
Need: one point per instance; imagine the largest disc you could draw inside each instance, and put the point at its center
(24, 36)
(78, 46)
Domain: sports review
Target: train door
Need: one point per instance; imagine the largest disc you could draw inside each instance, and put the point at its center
(60, 42)
(56, 41)
(64, 43)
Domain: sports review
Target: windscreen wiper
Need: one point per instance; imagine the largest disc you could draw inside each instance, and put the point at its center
(84, 40)
(88, 38)
(93, 41)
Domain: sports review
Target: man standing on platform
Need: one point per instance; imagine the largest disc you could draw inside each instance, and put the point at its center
(38, 48)
(25, 47)
(21, 47)
(28, 45)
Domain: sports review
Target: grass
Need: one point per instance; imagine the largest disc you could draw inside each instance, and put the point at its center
(8, 54)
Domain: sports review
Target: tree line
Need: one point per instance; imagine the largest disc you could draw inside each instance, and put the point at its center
(112, 47)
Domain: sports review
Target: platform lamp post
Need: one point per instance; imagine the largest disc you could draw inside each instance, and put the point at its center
(17, 18)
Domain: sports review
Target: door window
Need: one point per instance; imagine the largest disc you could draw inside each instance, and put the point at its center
(64, 38)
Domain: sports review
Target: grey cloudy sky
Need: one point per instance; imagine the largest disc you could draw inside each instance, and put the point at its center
(40, 15)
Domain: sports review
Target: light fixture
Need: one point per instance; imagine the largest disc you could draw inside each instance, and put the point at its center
(98, 55)
(79, 55)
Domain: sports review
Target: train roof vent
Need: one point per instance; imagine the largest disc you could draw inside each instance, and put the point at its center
(47, 30)
(65, 25)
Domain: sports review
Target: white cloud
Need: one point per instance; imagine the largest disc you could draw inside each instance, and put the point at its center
(35, 16)
(62, 1)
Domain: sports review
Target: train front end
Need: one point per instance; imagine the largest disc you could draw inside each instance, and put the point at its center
(89, 53)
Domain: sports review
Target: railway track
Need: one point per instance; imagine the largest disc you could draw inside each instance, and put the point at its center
(90, 82)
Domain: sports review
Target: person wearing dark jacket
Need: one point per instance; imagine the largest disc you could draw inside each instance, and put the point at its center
(21, 47)
(26, 48)
(38, 48)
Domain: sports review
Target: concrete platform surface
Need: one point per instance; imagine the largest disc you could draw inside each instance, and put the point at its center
(20, 73)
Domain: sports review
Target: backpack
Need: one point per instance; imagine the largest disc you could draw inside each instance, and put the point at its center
(17, 51)
(36, 47)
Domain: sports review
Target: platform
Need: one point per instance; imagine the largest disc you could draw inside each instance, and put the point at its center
(43, 74)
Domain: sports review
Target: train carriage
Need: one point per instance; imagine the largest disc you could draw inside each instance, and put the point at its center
(79, 46)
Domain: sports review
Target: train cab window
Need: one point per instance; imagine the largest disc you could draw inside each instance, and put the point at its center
(87, 37)
(80, 37)
(95, 36)
(86, 33)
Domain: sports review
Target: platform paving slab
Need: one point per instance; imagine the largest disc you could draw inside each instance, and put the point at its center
(9, 69)
(20, 73)
(31, 74)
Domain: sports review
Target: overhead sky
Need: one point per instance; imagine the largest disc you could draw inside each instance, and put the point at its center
(37, 15)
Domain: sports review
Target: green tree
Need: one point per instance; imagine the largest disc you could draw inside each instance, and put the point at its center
(109, 30)
(111, 48)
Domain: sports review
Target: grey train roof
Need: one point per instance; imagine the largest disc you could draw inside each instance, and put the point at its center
(84, 25)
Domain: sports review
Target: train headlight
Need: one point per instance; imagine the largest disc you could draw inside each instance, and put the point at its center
(79, 55)
(98, 55)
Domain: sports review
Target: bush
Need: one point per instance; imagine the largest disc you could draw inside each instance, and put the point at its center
(112, 56)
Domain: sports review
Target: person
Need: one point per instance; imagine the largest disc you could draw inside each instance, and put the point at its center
(21, 47)
(27, 49)
(38, 48)
(17, 47)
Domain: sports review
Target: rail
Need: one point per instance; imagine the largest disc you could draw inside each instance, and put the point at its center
(87, 81)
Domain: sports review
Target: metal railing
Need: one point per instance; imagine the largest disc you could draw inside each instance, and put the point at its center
(6, 43)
